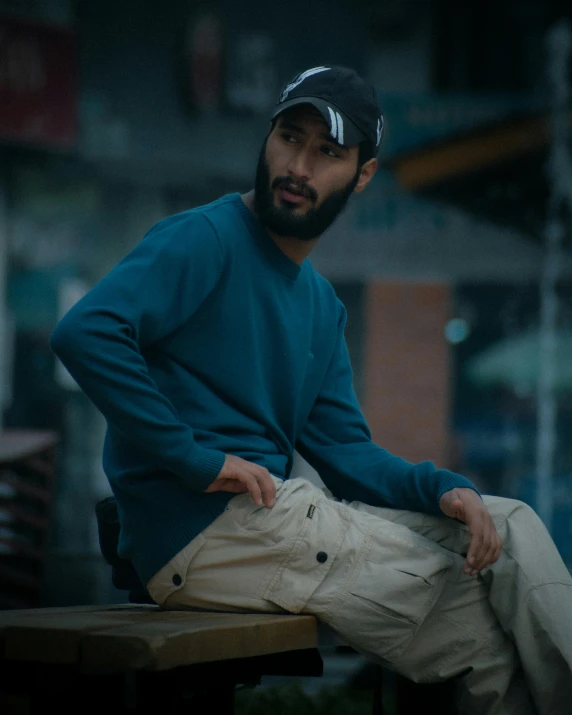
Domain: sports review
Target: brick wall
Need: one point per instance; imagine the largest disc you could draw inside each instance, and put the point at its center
(406, 388)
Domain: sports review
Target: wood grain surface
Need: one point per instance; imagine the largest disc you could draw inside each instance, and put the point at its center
(133, 637)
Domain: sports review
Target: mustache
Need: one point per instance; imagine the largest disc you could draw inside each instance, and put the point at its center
(286, 182)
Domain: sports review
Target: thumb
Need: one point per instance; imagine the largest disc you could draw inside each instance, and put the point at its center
(452, 505)
(458, 509)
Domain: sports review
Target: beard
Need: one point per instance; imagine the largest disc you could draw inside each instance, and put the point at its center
(282, 220)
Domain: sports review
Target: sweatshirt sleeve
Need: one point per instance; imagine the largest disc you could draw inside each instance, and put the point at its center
(144, 298)
(336, 441)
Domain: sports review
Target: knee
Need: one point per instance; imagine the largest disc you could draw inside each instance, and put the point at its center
(511, 512)
(506, 506)
(519, 507)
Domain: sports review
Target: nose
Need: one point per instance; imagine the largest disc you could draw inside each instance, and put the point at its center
(300, 166)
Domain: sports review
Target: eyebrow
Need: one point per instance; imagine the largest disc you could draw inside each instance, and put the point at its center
(288, 124)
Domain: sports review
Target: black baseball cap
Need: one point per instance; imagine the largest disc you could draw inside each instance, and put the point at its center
(347, 102)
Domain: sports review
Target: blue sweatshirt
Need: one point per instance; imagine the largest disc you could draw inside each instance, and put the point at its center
(206, 340)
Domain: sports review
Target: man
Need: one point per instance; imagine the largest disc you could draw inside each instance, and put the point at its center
(214, 350)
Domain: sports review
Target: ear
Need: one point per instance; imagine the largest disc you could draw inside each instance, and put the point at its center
(366, 175)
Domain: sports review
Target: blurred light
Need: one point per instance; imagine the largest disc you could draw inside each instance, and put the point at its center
(457, 330)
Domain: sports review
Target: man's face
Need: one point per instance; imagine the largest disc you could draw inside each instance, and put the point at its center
(303, 179)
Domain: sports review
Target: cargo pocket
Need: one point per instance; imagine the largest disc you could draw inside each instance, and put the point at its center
(269, 522)
(172, 576)
(311, 557)
(397, 585)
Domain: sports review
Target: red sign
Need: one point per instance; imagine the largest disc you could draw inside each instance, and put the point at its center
(38, 84)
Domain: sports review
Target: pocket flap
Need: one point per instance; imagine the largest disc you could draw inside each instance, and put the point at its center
(308, 561)
(173, 575)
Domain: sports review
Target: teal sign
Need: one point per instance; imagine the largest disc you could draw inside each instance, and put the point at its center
(415, 120)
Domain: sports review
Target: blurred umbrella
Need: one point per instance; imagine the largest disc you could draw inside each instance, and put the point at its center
(515, 362)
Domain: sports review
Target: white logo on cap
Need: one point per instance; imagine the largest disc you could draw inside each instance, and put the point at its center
(379, 130)
(336, 126)
(299, 79)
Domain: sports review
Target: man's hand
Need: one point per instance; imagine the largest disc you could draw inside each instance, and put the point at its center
(467, 506)
(239, 476)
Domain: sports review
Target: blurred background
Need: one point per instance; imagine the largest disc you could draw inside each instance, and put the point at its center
(455, 265)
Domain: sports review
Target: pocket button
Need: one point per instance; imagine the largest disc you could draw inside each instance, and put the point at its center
(322, 557)
(177, 580)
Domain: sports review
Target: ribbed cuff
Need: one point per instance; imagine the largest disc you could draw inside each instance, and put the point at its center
(449, 480)
(203, 467)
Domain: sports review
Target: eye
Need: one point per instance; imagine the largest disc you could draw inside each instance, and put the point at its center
(289, 137)
(331, 152)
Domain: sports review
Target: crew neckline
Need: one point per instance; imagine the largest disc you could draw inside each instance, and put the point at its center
(279, 259)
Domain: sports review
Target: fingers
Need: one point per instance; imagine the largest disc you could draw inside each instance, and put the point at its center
(485, 546)
(254, 488)
(261, 485)
(267, 486)
(239, 475)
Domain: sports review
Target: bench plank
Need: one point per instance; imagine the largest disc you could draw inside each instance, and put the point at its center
(134, 637)
(189, 638)
(53, 635)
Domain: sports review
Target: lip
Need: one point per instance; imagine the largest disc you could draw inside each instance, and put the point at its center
(290, 197)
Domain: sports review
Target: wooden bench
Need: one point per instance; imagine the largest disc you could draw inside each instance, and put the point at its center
(138, 658)
(409, 697)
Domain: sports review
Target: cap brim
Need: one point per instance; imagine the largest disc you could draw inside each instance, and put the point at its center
(342, 129)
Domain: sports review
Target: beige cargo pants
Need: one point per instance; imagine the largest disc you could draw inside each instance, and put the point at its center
(391, 584)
